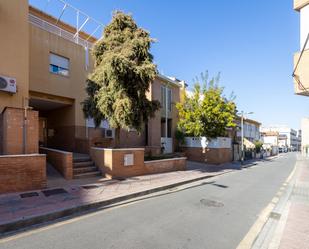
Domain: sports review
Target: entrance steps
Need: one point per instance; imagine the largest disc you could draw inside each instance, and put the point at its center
(83, 167)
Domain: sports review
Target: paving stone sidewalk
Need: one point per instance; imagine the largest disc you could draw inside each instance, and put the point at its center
(296, 231)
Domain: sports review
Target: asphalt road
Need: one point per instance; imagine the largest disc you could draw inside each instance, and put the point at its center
(216, 214)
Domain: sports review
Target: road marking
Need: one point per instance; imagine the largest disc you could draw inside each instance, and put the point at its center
(254, 231)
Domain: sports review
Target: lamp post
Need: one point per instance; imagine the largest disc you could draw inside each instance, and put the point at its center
(242, 114)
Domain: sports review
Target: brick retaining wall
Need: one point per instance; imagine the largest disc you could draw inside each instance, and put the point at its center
(60, 160)
(166, 165)
(111, 162)
(22, 172)
(209, 155)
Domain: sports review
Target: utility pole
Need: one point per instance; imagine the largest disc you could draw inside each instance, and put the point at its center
(242, 137)
(242, 117)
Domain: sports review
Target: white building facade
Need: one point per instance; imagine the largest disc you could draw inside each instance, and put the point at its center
(292, 139)
(305, 134)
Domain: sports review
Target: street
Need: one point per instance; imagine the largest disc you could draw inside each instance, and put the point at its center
(215, 214)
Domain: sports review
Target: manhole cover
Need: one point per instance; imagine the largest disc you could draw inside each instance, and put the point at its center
(211, 203)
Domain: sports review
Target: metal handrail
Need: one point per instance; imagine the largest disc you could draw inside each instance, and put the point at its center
(58, 31)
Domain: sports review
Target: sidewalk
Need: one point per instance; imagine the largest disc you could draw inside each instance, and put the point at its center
(19, 210)
(287, 222)
(296, 231)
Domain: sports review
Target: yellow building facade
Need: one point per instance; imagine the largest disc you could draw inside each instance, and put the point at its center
(50, 66)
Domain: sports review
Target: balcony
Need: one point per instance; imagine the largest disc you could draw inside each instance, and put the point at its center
(301, 77)
(298, 4)
(36, 21)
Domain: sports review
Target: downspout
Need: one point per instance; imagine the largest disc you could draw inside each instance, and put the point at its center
(25, 127)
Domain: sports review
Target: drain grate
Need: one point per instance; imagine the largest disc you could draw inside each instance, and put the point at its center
(275, 216)
(55, 191)
(28, 195)
(90, 186)
(211, 203)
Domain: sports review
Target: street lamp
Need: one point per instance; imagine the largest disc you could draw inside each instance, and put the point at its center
(242, 114)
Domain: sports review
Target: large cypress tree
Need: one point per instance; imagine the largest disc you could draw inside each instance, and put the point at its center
(123, 72)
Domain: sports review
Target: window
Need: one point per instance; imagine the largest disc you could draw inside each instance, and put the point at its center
(166, 92)
(58, 64)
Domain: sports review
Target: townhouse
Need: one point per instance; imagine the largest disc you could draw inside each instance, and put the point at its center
(251, 129)
(42, 84)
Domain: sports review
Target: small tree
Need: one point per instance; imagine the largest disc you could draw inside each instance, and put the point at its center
(122, 75)
(258, 146)
(207, 112)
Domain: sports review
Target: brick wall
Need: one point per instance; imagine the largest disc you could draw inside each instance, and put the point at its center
(166, 165)
(111, 162)
(60, 160)
(22, 172)
(1, 135)
(211, 156)
(13, 131)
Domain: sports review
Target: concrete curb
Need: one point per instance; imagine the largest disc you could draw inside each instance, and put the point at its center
(91, 207)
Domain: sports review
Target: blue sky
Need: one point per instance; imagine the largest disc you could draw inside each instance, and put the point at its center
(250, 42)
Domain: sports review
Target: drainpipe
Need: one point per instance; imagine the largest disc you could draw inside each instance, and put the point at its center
(25, 127)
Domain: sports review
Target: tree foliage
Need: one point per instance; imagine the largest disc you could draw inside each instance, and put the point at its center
(122, 75)
(206, 112)
(258, 146)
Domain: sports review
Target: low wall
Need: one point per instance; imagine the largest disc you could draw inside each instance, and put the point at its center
(209, 155)
(121, 163)
(22, 172)
(97, 155)
(166, 165)
(60, 160)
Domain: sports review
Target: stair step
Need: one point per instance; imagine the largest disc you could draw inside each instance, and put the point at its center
(81, 159)
(86, 175)
(80, 170)
(83, 164)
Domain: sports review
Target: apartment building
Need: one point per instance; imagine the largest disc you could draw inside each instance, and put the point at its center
(287, 135)
(301, 58)
(44, 66)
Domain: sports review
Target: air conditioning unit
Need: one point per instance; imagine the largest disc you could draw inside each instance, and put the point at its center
(7, 84)
(109, 133)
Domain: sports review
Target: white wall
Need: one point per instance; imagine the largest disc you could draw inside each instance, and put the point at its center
(202, 142)
(271, 140)
(305, 131)
(304, 26)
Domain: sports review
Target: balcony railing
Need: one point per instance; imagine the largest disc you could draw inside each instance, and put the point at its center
(58, 31)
